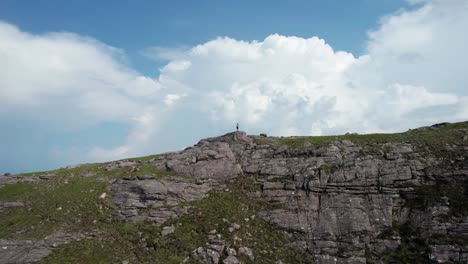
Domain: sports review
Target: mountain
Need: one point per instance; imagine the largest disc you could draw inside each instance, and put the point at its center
(238, 198)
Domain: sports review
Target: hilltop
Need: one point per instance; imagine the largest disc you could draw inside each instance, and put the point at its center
(238, 198)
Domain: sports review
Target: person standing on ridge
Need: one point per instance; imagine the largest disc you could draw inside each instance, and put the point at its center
(237, 127)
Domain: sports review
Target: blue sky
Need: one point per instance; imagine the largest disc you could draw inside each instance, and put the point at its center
(135, 26)
(84, 81)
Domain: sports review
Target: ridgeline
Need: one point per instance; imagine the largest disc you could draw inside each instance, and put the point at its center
(238, 198)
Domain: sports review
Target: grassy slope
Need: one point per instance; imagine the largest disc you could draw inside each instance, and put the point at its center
(70, 202)
(450, 134)
(143, 243)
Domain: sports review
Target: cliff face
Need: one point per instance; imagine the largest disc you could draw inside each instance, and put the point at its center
(382, 198)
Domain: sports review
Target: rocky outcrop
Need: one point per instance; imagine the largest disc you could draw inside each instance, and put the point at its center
(346, 200)
(31, 251)
(206, 165)
(217, 249)
(8, 205)
(12, 179)
(338, 201)
(210, 159)
(148, 199)
(446, 253)
(341, 202)
(119, 164)
(212, 253)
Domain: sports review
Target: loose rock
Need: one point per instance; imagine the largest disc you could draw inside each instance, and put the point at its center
(231, 260)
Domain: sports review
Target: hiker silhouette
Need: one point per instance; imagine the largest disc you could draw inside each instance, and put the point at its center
(237, 127)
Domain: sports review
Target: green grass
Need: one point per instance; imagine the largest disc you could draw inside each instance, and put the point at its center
(300, 142)
(142, 242)
(143, 163)
(326, 169)
(145, 169)
(50, 206)
(116, 242)
(145, 158)
(262, 141)
(14, 192)
(69, 201)
(450, 134)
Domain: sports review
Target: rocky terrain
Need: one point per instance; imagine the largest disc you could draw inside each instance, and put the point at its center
(377, 198)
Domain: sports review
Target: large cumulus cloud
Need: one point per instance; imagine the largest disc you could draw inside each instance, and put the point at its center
(58, 83)
(411, 74)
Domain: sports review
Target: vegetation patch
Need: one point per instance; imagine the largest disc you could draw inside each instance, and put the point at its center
(433, 140)
(411, 250)
(394, 230)
(453, 194)
(262, 141)
(326, 169)
(70, 204)
(68, 201)
(143, 243)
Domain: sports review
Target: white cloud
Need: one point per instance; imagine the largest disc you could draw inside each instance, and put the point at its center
(423, 47)
(462, 109)
(143, 129)
(408, 98)
(171, 99)
(38, 69)
(177, 65)
(284, 84)
(413, 73)
(71, 82)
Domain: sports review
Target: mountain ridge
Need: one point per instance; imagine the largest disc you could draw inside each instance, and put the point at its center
(376, 198)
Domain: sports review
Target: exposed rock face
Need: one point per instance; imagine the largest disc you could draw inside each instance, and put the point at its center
(8, 205)
(208, 160)
(12, 179)
(246, 252)
(29, 251)
(207, 164)
(212, 253)
(159, 198)
(119, 164)
(339, 200)
(231, 260)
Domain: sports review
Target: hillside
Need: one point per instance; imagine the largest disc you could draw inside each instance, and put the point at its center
(238, 198)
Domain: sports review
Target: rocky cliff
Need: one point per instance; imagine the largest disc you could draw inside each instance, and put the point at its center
(378, 198)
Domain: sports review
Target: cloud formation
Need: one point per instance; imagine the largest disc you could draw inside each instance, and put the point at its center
(71, 82)
(412, 73)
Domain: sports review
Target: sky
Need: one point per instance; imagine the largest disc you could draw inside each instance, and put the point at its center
(91, 81)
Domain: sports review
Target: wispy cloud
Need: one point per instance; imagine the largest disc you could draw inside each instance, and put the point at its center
(164, 53)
